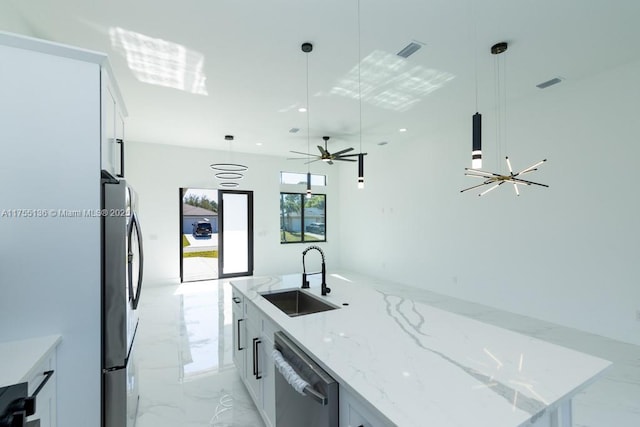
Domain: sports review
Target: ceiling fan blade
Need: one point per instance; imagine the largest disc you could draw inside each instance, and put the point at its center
(311, 161)
(344, 160)
(330, 162)
(349, 155)
(304, 154)
(323, 151)
(346, 150)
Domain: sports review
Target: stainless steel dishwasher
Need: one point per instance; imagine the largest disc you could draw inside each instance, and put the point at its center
(319, 406)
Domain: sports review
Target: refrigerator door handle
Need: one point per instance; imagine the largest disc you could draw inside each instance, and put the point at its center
(134, 223)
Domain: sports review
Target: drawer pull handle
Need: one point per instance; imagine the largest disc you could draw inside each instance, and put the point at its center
(239, 348)
(47, 377)
(236, 300)
(256, 361)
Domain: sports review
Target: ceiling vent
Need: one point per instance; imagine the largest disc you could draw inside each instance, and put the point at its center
(548, 83)
(409, 49)
(294, 130)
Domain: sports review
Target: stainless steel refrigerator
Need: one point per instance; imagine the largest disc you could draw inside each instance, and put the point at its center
(122, 267)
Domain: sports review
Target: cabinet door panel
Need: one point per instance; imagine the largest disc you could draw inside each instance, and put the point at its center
(254, 384)
(239, 343)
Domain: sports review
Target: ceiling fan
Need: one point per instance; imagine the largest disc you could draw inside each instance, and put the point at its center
(325, 155)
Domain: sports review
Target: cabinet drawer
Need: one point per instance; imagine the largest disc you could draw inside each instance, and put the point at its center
(237, 302)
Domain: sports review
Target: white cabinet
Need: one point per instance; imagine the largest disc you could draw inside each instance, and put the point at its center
(46, 398)
(355, 413)
(51, 118)
(112, 124)
(33, 361)
(253, 343)
(253, 367)
(239, 333)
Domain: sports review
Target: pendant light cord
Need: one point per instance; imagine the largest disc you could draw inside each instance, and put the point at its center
(475, 56)
(496, 85)
(501, 108)
(359, 74)
(504, 112)
(308, 121)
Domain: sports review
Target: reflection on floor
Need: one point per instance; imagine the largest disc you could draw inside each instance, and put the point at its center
(187, 378)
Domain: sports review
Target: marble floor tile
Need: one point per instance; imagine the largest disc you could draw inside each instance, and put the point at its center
(187, 377)
(185, 370)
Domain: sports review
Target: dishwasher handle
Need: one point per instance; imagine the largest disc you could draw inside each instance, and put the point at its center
(289, 373)
(317, 396)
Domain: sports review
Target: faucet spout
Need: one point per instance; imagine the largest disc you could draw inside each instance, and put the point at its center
(305, 283)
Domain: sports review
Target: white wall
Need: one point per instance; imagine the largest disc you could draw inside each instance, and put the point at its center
(11, 21)
(568, 254)
(157, 172)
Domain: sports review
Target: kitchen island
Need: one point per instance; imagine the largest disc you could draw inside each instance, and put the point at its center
(410, 364)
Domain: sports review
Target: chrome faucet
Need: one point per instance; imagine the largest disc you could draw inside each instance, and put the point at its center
(305, 282)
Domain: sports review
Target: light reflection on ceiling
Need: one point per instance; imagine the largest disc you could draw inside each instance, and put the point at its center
(390, 82)
(159, 62)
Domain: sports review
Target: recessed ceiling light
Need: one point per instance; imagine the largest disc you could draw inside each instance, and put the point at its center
(258, 143)
(302, 110)
(402, 130)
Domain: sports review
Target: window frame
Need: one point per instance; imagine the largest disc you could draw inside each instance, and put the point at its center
(317, 180)
(303, 231)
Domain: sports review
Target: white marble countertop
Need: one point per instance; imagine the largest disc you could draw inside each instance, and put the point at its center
(18, 358)
(419, 365)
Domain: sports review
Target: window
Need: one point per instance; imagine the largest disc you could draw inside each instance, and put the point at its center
(298, 224)
(301, 178)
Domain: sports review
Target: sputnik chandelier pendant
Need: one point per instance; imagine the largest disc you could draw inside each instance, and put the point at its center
(498, 179)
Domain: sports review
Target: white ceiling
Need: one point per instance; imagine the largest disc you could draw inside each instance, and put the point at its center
(256, 73)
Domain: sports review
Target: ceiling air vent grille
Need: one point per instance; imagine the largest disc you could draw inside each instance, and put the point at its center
(409, 49)
(548, 83)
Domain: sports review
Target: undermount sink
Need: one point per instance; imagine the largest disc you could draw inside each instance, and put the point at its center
(297, 303)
